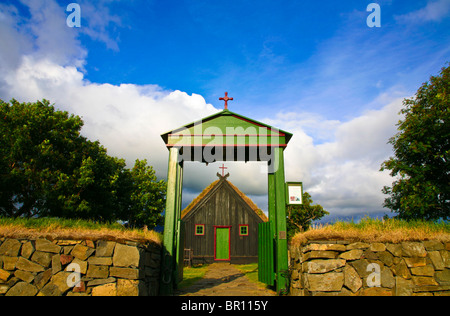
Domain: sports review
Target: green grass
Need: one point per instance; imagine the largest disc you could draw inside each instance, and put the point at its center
(249, 270)
(192, 274)
(46, 222)
(393, 224)
(376, 230)
(71, 229)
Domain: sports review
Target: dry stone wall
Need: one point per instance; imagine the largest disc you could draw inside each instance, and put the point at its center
(78, 268)
(342, 268)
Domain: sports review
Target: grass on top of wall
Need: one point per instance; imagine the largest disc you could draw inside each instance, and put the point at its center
(59, 228)
(376, 230)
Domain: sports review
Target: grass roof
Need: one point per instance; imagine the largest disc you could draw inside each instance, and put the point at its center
(374, 230)
(75, 229)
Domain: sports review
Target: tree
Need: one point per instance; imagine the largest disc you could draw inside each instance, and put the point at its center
(147, 197)
(38, 146)
(48, 169)
(301, 216)
(422, 154)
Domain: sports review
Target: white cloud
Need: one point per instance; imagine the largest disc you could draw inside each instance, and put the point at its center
(127, 119)
(342, 174)
(435, 10)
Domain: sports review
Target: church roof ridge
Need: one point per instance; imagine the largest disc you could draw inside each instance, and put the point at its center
(214, 184)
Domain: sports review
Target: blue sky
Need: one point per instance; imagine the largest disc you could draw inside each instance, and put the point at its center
(136, 69)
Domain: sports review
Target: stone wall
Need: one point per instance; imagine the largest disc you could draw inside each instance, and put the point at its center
(349, 269)
(53, 268)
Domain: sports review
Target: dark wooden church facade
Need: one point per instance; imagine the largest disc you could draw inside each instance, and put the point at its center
(221, 224)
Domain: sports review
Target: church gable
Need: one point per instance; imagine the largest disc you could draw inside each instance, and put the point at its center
(213, 189)
(222, 224)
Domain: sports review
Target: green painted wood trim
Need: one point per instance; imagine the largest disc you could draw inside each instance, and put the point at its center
(219, 123)
(170, 224)
(281, 250)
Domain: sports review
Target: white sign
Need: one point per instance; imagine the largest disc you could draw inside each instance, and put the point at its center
(294, 194)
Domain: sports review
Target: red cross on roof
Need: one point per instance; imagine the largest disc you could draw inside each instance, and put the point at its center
(226, 99)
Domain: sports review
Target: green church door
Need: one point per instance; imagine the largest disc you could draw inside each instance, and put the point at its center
(221, 243)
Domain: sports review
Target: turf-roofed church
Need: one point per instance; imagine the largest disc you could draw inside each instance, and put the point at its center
(221, 224)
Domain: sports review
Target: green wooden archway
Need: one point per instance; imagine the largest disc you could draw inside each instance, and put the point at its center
(225, 136)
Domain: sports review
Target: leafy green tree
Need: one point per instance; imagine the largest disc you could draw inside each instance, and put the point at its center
(38, 146)
(147, 198)
(48, 169)
(301, 216)
(422, 154)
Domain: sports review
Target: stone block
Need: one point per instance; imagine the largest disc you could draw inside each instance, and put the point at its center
(433, 245)
(27, 250)
(60, 280)
(361, 267)
(423, 271)
(401, 270)
(45, 245)
(127, 287)
(324, 247)
(322, 266)
(82, 252)
(413, 249)
(328, 282)
(43, 258)
(96, 282)
(97, 272)
(377, 247)
(126, 256)
(9, 263)
(22, 289)
(395, 249)
(65, 259)
(4, 275)
(443, 277)
(387, 278)
(101, 261)
(423, 281)
(352, 279)
(415, 262)
(10, 247)
(82, 264)
(320, 254)
(27, 265)
(436, 259)
(125, 273)
(358, 245)
(23, 275)
(403, 287)
(56, 263)
(42, 278)
(50, 290)
(105, 248)
(354, 254)
(109, 289)
(375, 291)
(386, 257)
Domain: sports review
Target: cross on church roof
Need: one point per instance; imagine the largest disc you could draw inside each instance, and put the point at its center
(226, 99)
(223, 169)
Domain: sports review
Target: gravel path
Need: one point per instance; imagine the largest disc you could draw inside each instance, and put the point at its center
(223, 279)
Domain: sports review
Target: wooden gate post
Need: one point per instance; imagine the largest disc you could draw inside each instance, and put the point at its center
(169, 264)
(277, 216)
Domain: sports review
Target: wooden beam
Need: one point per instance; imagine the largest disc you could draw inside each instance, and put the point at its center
(172, 214)
(281, 251)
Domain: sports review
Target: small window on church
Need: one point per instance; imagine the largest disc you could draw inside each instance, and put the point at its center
(199, 230)
(243, 230)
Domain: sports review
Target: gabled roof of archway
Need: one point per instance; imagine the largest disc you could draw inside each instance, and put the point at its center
(226, 128)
